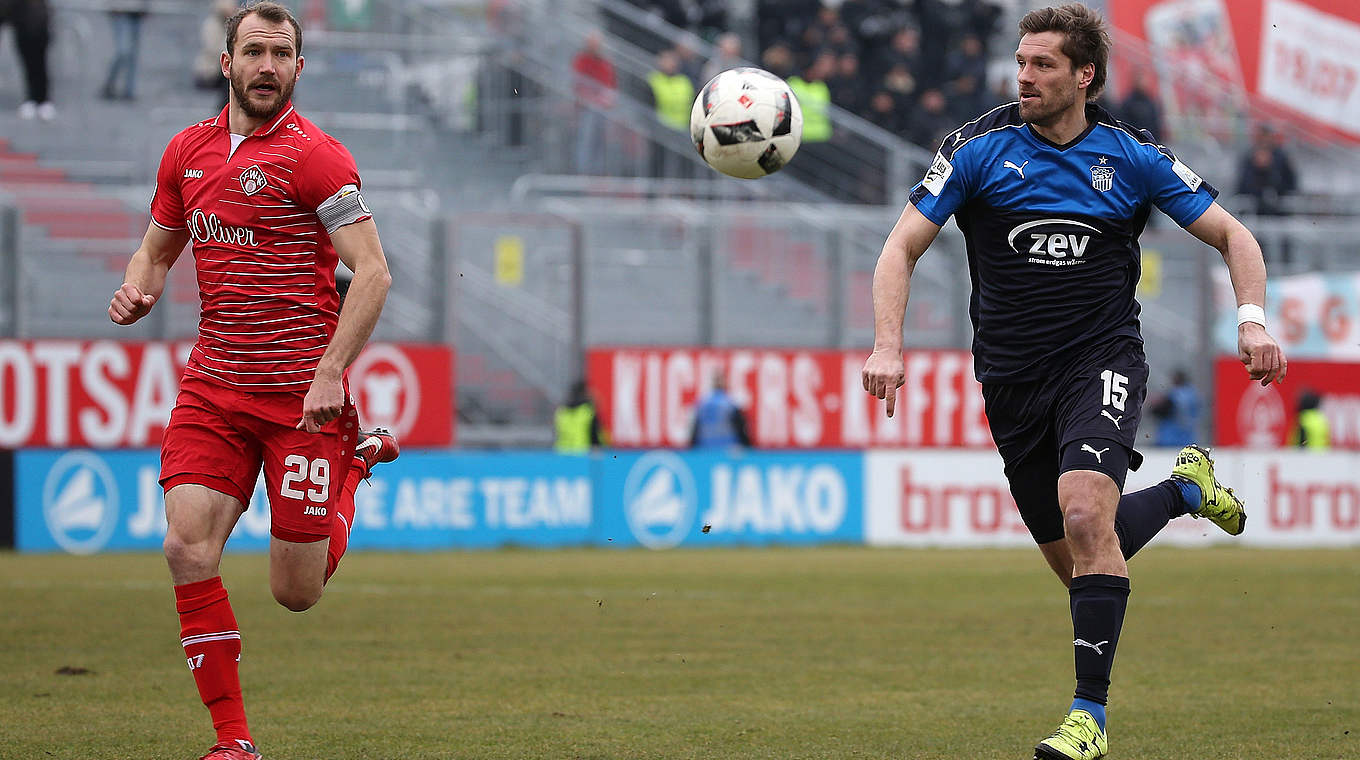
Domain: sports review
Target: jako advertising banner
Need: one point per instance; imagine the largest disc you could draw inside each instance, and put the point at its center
(792, 398)
(115, 394)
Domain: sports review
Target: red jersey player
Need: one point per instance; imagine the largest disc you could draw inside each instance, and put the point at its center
(269, 201)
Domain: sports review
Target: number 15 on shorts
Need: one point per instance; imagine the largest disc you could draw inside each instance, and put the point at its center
(316, 472)
(1115, 390)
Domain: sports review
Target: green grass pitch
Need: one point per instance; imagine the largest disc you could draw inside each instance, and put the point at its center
(759, 653)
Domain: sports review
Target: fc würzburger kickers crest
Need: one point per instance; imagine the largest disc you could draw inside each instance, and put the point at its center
(253, 180)
(1102, 177)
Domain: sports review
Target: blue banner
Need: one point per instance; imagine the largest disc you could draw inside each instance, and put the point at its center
(83, 501)
(660, 499)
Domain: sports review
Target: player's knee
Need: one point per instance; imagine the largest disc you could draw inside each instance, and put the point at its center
(296, 599)
(185, 556)
(1086, 524)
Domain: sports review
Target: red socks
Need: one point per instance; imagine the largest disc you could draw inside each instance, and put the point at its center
(344, 515)
(212, 644)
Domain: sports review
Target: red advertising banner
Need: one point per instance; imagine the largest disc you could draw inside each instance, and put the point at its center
(1296, 57)
(115, 394)
(1248, 415)
(792, 398)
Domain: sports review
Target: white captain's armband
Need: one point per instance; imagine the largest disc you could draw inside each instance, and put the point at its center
(937, 175)
(345, 207)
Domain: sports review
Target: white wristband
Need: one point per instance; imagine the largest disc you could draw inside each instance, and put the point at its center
(1250, 312)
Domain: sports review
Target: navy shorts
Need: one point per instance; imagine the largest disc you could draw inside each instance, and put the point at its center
(1082, 416)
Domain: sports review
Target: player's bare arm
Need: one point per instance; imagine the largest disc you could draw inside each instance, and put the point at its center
(910, 237)
(1263, 357)
(145, 278)
(359, 248)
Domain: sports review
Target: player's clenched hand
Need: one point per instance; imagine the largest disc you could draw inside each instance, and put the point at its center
(883, 375)
(324, 402)
(1260, 353)
(129, 304)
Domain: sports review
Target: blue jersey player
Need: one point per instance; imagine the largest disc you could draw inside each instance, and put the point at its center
(1051, 194)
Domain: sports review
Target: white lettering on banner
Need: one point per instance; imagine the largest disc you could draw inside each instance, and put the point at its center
(16, 372)
(679, 378)
(58, 358)
(434, 503)
(946, 399)
(148, 519)
(370, 505)
(519, 503)
(652, 410)
(627, 383)
(807, 409)
(104, 360)
(771, 419)
(153, 398)
(776, 499)
(1343, 419)
(1307, 63)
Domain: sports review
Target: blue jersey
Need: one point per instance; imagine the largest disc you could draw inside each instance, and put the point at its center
(1052, 232)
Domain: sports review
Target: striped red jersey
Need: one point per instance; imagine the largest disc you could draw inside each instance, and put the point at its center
(265, 262)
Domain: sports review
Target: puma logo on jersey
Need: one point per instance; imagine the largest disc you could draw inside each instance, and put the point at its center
(1018, 169)
(1087, 447)
(1113, 418)
(193, 174)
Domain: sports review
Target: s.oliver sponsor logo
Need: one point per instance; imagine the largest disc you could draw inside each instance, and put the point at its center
(207, 228)
(792, 399)
(108, 394)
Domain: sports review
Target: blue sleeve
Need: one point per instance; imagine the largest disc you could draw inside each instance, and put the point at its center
(945, 187)
(1174, 188)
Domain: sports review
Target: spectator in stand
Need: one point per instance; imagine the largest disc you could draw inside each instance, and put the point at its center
(781, 20)
(1140, 107)
(207, 66)
(848, 88)
(1177, 412)
(1311, 430)
(691, 65)
(126, 17)
(728, 56)
(577, 423)
(814, 95)
(1265, 179)
(899, 81)
(32, 22)
(672, 98)
(1267, 174)
(930, 121)
(778, 60)
(904, 51)
(596, 88)
(884, 112)
(718, 421)
(966, 71)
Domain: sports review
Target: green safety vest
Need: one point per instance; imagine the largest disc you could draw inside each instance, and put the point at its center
(674, 98)
(815, 98)
(1313, 431)
(573, 428)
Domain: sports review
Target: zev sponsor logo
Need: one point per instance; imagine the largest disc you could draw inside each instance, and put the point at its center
(80, 502)
(1052, 242)
(659, 500)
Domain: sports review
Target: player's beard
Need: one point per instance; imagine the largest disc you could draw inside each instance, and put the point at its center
(1048, 109)
(271, 107)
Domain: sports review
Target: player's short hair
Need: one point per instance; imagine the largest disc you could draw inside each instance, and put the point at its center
(269, 11)
(1085, 39)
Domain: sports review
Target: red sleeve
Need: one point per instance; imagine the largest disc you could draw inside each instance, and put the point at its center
(167, 206)
(327, 168)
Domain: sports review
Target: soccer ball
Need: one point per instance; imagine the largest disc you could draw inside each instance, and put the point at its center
(746, 123)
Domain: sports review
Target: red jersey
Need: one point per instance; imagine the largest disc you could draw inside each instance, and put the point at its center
(265, 262)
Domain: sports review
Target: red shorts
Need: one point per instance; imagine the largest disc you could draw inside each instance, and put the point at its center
(219, 436)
